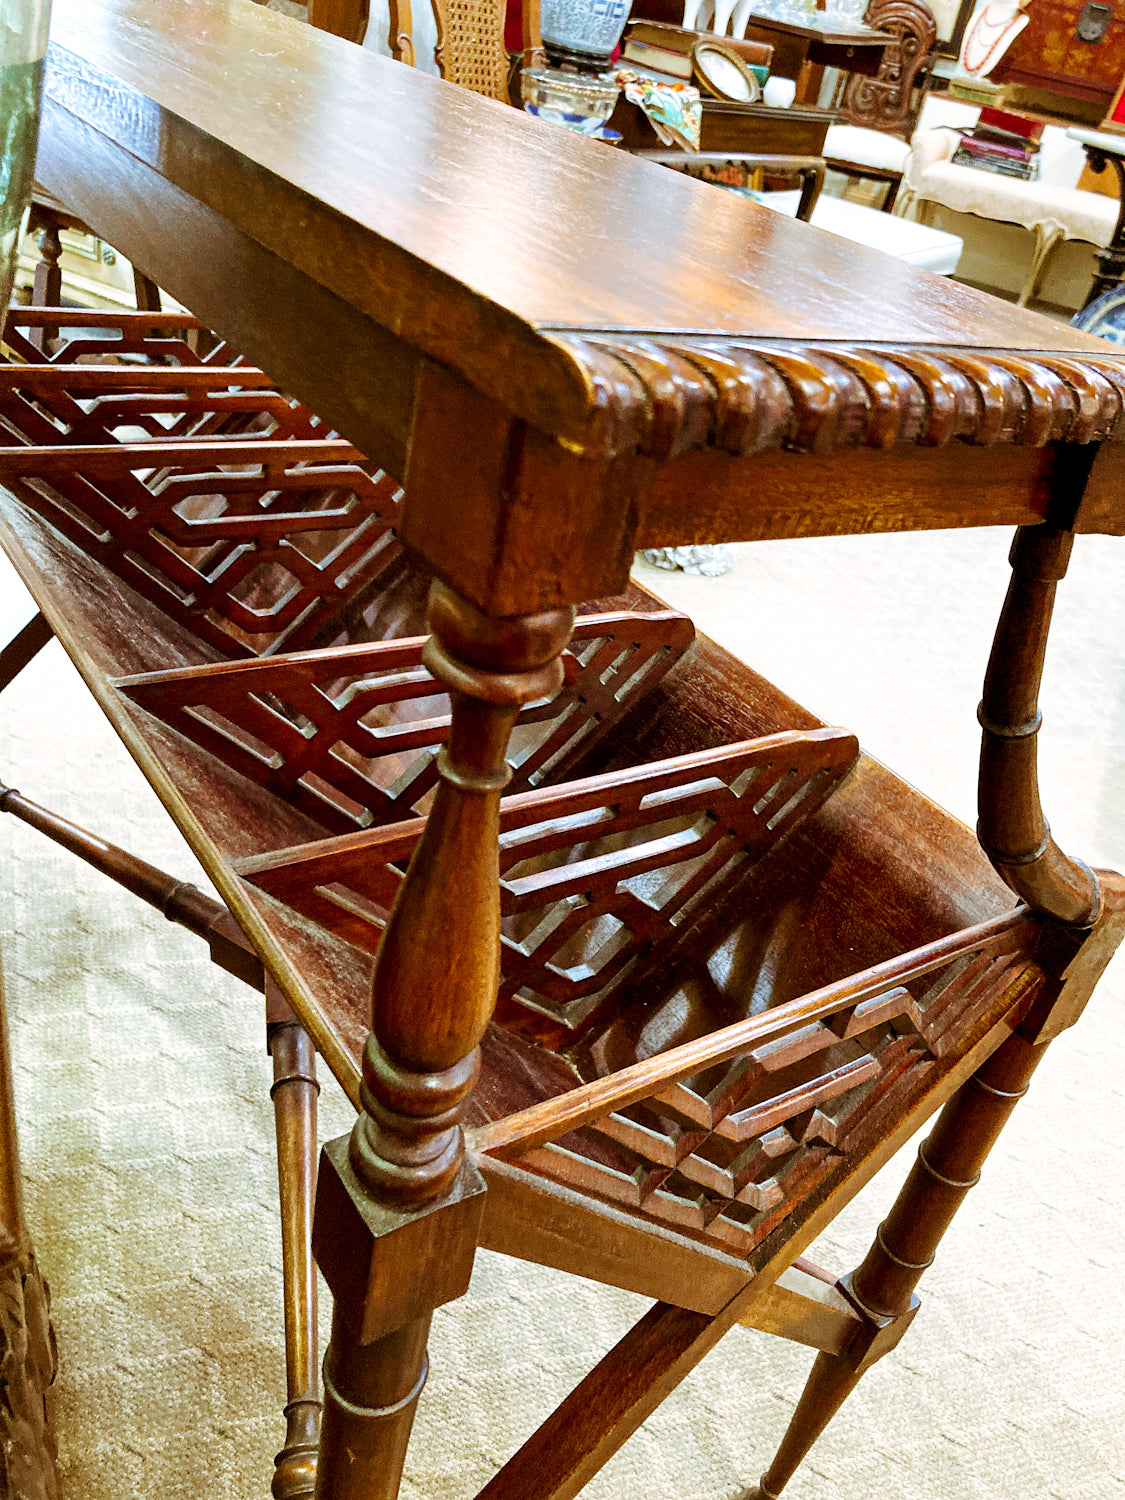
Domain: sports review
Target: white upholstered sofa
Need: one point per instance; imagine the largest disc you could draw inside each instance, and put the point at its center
(1052, 207)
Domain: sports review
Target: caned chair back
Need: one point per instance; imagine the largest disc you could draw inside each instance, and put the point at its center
(460, 40)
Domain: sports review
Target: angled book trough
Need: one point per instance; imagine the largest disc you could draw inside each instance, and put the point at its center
(345, 733)
(603, 881)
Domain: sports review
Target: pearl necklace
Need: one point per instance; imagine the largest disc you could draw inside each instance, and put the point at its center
(979, 40)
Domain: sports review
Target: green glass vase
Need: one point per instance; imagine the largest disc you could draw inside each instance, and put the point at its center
(23, 48)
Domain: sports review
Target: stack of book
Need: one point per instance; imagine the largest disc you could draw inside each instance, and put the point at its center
(1003, 143)
(667, 52)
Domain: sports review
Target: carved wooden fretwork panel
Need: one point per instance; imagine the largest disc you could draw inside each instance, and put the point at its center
(602, 880)
(257, 554)
(223, 501)
(98, 403)
(727, 1150)
(349, 735)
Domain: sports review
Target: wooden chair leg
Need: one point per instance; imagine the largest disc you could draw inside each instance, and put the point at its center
(294, 1093)
(1046, 243)
(882, 1288)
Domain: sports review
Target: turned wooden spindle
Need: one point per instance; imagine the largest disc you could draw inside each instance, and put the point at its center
(881, 1289)
(294, 1093)
(397, 1211)
(438, 966)
(1015, 835)
(178, 900)
(1011, 827)
(46, 288)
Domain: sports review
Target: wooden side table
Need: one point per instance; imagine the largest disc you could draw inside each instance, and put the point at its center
(566, 356)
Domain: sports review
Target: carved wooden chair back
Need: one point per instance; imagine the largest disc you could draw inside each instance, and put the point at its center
(891, 100)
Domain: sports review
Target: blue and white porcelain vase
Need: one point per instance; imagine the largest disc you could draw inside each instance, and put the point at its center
(23, 48)
(582, 33)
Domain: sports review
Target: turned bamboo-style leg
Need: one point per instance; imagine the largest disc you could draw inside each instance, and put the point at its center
(27, 1341)
(398, 1209)
(1012, 829)
(882, 1288)
(1084, 919)
(294, 1094)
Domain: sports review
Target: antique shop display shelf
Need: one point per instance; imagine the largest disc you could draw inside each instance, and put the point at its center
(631, 966)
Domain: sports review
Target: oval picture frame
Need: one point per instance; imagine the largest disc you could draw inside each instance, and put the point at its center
(724, 74)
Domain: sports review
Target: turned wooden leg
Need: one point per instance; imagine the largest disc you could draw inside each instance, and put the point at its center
(398, 1209)
(1011, 827)
(27, 1341)
(882, 1288)
(294, 1093)
(46, 289)
(1084, 922)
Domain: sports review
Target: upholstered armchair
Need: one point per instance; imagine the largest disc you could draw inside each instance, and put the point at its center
(1050, 206)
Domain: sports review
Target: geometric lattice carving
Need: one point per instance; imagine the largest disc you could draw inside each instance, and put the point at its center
(254, 545)
(78, 334)
(724, 1136)
(349, 735)
(601, 880)
(90, 403)
(224, 502)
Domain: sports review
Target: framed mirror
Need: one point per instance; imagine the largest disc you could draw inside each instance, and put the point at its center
(952, 16)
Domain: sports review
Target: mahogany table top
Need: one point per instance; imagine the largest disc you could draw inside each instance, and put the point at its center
(235, 103)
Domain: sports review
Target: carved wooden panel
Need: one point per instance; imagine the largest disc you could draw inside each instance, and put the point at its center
(887, 102)
(213, 494)
(255, 545)
(349, 734)
(602, 880)
(46, 404)
(81, 334)
(724, 1140)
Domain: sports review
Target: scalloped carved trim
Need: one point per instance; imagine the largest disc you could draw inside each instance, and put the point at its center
(669, 395)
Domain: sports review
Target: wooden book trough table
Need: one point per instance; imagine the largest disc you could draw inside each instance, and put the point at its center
(530, 885)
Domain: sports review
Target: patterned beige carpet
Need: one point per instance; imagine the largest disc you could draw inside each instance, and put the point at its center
(147, 1136)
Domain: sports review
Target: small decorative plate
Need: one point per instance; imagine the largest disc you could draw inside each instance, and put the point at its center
(1105, 316)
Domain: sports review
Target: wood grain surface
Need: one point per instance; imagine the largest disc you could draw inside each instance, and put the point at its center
(482, 227)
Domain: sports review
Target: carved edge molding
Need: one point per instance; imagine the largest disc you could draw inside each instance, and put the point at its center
(666, 395)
